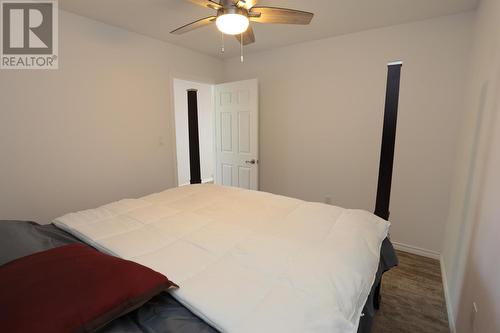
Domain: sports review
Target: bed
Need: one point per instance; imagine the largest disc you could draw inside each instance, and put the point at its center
(245, 261)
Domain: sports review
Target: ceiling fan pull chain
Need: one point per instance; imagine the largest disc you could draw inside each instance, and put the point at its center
(241, 45)
(222, 38)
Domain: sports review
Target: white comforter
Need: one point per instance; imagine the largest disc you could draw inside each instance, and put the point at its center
(246, 261)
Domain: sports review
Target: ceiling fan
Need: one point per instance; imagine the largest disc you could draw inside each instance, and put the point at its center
(234, 16)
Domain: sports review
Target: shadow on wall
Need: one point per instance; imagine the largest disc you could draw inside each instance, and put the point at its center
(485, 320)
(467, 212)
(482, 273)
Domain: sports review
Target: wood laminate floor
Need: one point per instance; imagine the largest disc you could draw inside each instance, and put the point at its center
(412, 298)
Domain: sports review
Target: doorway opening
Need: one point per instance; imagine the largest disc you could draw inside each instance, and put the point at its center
(205, 117)
(217, 133)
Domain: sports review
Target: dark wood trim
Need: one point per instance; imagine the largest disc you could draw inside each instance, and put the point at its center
(194, 138)
(388, 142)
(387, 153)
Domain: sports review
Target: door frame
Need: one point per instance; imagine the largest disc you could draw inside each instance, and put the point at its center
(173, 132)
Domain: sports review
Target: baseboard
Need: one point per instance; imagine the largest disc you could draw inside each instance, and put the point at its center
(417, 250)
(449, 309)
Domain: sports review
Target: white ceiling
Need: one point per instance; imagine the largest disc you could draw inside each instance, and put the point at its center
(156, 18)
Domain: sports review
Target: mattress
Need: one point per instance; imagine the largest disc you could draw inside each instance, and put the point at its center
(246, 261)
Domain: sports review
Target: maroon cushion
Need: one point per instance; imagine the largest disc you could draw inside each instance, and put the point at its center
(73, 288)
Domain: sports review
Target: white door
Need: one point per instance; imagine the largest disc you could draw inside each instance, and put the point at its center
(237, 134)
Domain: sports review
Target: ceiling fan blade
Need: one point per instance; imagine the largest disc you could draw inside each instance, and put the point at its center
(248, 37)
(207, 4)
(279, 15)
(194, 25)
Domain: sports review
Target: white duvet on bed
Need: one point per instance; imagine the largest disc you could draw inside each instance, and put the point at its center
(246, 261)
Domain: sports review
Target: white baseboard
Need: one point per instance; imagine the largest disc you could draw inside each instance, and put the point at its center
(417, 250)
(449, 309)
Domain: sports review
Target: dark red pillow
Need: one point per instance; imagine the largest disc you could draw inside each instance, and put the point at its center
(73, 288)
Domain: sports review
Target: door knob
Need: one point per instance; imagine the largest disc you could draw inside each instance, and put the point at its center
(251, 162)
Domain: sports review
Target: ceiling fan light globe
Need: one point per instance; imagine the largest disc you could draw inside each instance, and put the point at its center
(232, 24)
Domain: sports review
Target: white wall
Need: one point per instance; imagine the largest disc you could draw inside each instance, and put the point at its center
(321, 115)
(205, 129)
(470, 254)
(89, 133)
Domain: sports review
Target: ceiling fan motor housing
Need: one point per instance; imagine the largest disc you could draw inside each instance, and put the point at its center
(232, 10)
(228, 3)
